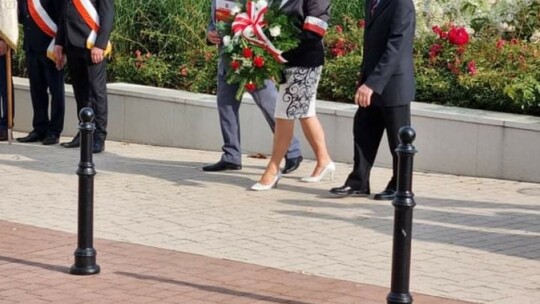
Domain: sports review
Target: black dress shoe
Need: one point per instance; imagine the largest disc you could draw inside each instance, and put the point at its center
(386, 195)
(292, 164)
(31, 137)
(3, 135)
(98, 147)
(74, 143)
(222, 166)
(51, 140)
(348, 190)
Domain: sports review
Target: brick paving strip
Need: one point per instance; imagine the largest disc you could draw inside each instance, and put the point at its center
(34, 264)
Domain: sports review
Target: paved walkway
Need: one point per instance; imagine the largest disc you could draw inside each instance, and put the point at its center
(475, 240)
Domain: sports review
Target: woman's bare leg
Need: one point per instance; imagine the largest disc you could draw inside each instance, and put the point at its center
(314, 133)
(283, 134)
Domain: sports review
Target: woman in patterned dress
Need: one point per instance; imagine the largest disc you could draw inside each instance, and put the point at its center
(298, 94)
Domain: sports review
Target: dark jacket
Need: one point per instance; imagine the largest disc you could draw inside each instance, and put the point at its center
(35, 40)
(312, 17)
(387, 66)
(73, 31)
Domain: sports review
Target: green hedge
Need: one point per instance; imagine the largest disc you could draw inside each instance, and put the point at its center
(162, 43)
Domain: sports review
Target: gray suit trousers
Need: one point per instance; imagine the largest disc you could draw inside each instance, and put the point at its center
(228, 108)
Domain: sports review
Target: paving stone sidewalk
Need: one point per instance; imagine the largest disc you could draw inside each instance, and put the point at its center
(474, 239)
(35, 263)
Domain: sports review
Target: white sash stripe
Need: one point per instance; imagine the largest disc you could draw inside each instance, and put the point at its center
(91, 10)
(44, 16)
(317, 22)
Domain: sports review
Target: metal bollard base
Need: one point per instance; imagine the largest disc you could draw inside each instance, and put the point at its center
(85, 262)
(399, 298)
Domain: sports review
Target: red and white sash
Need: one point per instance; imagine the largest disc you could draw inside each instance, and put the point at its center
(44, 22)
(89, 14)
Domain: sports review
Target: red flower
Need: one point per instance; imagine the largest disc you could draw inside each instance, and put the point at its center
(514, 41)
(471, 67)
(437, 30)
(247, 52)
(339, 29)
(336, 52)
(235, 65)
(183, 71)
(258, 62)
(361, 23)
(500, 44)
(458, 36)
(434, 51)
(250, 86)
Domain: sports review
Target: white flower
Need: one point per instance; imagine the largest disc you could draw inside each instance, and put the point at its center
(235, 10)
(226, 40)
(246, 63)
(261, 4)
(248, 32)
(275, 31)
(535, 37)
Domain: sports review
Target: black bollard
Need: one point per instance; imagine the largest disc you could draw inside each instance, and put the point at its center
(403, 219)
(85, 254)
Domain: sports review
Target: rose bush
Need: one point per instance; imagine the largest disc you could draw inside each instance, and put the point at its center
(491, 60)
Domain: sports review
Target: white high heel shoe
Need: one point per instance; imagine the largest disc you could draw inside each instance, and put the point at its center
(329, 169)
(273, 184)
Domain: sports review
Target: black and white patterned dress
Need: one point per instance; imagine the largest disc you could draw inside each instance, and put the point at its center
(298, 94)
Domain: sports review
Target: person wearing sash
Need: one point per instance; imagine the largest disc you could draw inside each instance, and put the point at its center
(228, 106)
(83, 37)
(3, 92)
(39, 19)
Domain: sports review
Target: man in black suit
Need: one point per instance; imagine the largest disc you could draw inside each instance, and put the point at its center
(40, 19)
(386, 89)
(85, 42)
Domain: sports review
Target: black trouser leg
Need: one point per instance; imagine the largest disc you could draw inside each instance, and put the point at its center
(89, 85)
(394, 119)
(38, 93)
(367, 131)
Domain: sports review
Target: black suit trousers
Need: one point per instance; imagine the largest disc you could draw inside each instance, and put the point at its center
(43, 74)
(90, 87)
(369, 125)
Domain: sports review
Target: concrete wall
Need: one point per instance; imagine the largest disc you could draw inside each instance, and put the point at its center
(449, 140)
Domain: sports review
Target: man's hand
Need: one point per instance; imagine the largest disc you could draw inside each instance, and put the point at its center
(3, 48)
(97, 55)
(59, 56)
(363, 96)
(213, 37)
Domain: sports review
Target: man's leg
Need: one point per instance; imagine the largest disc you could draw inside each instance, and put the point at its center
(55, 82)
(394, 119)
(367, 131)
(229, 122)
(38, 94)
(97, 74)
(3, 97)
(3, 100)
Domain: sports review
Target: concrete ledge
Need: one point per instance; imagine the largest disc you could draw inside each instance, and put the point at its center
(450, 140)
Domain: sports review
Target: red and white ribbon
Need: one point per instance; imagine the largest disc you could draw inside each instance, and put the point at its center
(89, 14)
(250, 25)
(44, 22)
